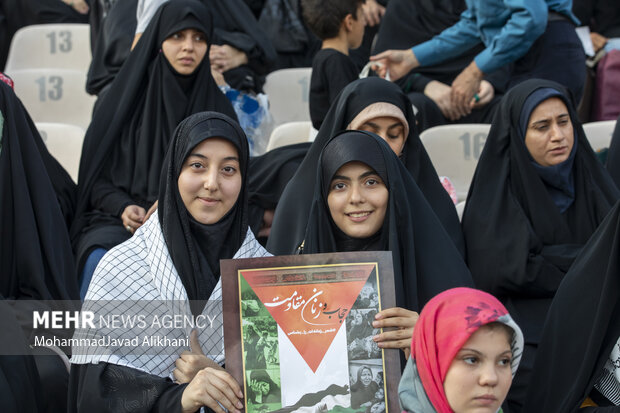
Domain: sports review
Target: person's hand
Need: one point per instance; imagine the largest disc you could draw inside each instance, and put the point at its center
(191, 362)
(485, 95)
(397, 62)
(225, 57)
(152, 209)
(133, 217)
(373, 12)
(218, 77)
(598, 41)
(440, 94)
(403, 320)
(259, 387)
(212, 388)
(265, 228)
(78, 5)
(135, 40)
(464, 87)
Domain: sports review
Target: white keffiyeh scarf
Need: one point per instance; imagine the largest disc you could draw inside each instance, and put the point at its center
(139, 276)
(609, 382)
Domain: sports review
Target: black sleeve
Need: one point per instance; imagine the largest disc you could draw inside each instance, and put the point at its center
(103, 387)
(108, 198)
(416, 82)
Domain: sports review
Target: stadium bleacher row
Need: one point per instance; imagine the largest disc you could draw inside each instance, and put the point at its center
(49, 64)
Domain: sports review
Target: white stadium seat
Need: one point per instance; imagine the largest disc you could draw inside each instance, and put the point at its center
(288, 91)
(62, 46)
(64, 143)
(454, 151)
(290, 133)
(599, 133)
(54, 95)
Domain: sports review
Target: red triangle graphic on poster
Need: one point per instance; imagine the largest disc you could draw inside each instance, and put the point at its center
(310, 307)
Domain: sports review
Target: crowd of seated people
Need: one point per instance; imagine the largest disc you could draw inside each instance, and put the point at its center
(513, 308)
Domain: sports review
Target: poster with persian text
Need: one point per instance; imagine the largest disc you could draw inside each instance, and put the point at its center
(298, 332)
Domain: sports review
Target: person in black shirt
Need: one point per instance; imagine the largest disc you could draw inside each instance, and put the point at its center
(340, 25)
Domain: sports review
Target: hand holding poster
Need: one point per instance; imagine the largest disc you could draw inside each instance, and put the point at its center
(298, 332)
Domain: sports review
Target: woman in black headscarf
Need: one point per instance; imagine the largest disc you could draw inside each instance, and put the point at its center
(412, 22)
(578, 359)
(172, 263)
(166, 78)
(392, 216)
(537, 196)
(357, 106)
(364, 389)
(19, 124)
(242, 52)
(36, 260)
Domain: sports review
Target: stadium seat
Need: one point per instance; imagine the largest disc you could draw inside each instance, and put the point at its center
(61, 46)
(288, 91)
(599, 133)
(64, 143)
(54, 95)
(290, 133)
(454, 151)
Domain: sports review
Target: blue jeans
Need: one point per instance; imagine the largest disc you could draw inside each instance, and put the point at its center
(89, 269)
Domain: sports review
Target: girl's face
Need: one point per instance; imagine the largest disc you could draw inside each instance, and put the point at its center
(357, 200)
(480, 375)
(390, 129)
(549, 136)
(185, 50)
(366, 377)
(210, 180)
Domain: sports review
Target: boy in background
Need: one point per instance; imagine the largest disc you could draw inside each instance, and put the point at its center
(340, 26)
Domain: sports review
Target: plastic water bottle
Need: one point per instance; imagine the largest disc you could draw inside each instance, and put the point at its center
(254, 118)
